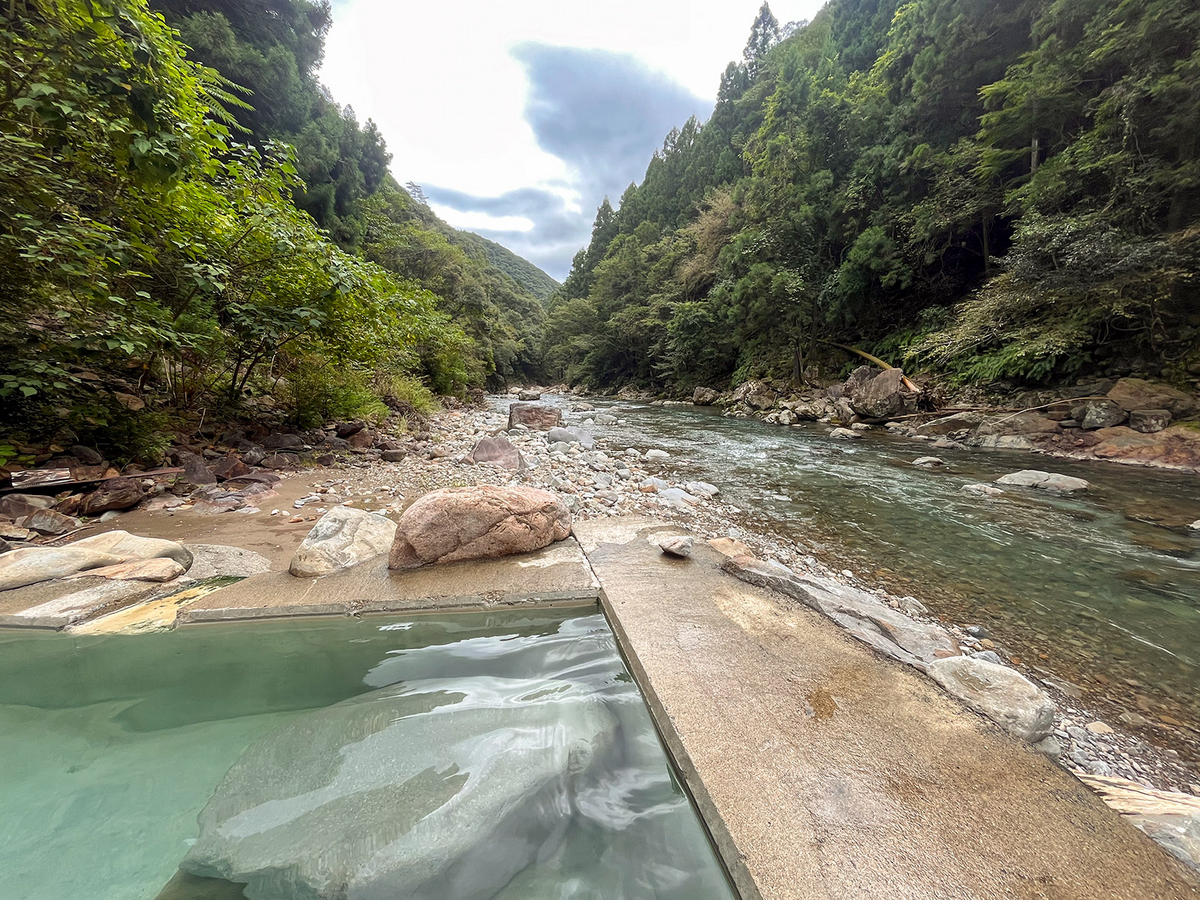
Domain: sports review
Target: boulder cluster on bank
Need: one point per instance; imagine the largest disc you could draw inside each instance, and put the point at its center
(1127, 420)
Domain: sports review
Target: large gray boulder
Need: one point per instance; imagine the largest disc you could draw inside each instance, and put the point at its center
(219, 560)
(1149, 421)
(755, 394)
(428, 790)
(1101, 414)
(132, 546)
(1046, 481)
(881, 395)
(342, 538)
(1002, 694)
(478, 522)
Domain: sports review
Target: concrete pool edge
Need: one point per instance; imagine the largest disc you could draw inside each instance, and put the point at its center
(723, 667)
(722, 842)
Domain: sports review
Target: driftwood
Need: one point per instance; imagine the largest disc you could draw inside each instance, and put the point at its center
(77, 476)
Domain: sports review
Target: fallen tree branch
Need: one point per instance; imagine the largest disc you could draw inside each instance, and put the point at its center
(873, 359)
(1047, 406)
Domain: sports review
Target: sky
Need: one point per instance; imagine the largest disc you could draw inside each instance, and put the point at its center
(517, 117)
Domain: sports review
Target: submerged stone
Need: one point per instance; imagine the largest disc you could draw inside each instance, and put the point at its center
(426, 790)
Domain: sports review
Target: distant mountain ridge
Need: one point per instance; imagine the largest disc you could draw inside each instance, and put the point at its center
(519, 269)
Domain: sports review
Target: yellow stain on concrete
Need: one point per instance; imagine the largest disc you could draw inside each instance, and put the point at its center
(156, 614)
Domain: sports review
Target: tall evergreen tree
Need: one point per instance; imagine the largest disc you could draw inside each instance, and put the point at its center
(764, 34)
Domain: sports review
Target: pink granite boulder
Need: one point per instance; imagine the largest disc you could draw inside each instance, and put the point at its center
(478, 522)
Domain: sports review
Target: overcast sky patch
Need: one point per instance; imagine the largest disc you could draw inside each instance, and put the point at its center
(530, 111)
(602, 114)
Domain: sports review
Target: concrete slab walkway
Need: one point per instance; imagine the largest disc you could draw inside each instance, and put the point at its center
(558, 573)
(826, 771)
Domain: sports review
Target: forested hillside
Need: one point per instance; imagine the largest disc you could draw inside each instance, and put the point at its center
(521, 270)
(990, 191)
(191, 226)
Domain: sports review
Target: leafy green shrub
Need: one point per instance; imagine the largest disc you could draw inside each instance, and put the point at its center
(410, 396)
(121, 434)
(316, 392)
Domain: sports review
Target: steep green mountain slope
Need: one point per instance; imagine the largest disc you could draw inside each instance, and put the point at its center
(272, 47)
(519, 269)
(985, 190)
(173, 247)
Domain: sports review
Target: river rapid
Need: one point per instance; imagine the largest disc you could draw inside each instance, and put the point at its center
(1101, 589)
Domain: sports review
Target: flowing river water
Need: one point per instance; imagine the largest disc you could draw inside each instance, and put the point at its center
(1100, 588)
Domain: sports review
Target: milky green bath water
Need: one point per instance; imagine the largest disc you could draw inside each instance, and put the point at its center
(111, 746)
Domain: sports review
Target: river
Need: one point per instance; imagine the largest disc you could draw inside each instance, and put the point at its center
(1085, 588)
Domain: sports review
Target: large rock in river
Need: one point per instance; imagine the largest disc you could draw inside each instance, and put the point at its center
(478, 522)
(533, 415)
(343, 537)
(1046, 481)
(427, 790)
(878, 396)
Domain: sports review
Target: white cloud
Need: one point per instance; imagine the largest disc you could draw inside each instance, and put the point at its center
(478, 221)
(449, 96)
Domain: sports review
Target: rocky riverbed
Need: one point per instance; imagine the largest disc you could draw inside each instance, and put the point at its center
(1129, 420)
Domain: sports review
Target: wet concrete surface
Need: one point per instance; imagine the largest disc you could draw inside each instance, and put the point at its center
(826, 771)
(559, 573)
